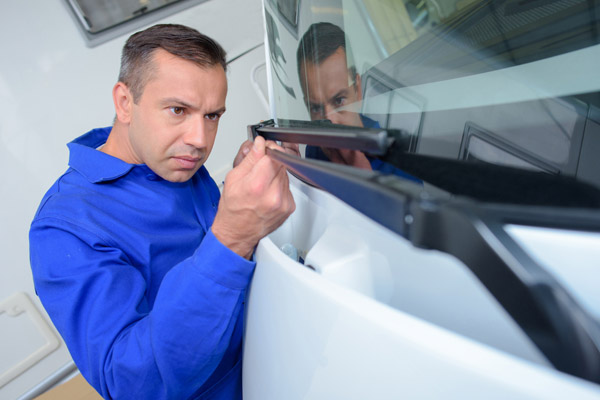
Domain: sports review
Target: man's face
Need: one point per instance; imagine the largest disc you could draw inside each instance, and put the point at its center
(174, 124)
(330, 86)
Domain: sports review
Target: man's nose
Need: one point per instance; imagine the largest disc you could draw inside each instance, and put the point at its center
(196, 134)
(332, 114)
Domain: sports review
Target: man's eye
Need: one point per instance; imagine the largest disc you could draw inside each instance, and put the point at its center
(177, 110)
(318, 110)
(213, 117)
(339, 101)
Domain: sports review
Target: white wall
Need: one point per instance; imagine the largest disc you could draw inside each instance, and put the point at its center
(52, 89)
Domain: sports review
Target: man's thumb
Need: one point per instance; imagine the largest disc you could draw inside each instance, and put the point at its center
(256, 153)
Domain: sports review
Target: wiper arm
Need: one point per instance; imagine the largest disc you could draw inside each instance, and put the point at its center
(324, 134)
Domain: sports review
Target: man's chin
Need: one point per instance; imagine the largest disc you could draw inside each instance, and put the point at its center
(179, 175)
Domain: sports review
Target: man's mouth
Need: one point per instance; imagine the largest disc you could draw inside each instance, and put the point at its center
(187, 162)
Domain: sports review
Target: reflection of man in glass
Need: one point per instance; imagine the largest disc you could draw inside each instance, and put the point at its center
(329, 83)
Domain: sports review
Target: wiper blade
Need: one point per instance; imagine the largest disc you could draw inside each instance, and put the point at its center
(324, 134)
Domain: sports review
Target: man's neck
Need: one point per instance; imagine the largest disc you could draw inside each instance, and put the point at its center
(117, 144)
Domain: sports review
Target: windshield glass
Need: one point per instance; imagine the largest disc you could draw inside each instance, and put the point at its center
(497, 100)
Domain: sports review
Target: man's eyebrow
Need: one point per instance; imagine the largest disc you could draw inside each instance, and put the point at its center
(219, 111)
(173, 101)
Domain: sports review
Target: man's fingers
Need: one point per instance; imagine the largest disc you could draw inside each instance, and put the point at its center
(284, 188)
(253, 154)
(280, 199)
(259, 146)
(242, 152)
(291, 148)
(273, 145)
(264, 172)
(256, 200)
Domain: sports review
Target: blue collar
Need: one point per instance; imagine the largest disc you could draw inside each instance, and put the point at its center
(95, 165)
(368, 122)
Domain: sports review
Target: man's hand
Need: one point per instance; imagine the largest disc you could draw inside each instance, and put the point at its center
(289, 148)
(242, 152)
(256, 199)
(354, 158)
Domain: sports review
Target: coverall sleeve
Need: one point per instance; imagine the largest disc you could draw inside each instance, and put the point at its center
(125, 347)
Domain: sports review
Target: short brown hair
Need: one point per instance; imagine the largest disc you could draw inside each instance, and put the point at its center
(179, 40)
(318, 43)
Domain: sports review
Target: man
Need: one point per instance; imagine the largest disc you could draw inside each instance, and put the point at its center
(329, 81)
(140, 263)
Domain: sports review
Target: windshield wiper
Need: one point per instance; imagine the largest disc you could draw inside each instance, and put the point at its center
(325, 134)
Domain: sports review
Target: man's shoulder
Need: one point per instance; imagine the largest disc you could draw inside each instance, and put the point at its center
(62, 197)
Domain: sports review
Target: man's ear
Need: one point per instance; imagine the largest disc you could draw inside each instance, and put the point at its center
(123, 101)
(358, 86)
